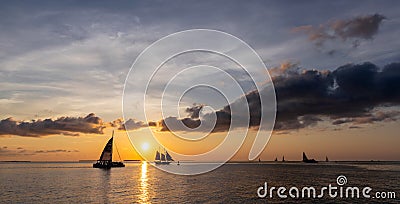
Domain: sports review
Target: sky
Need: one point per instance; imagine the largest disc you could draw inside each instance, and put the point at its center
(334, 66)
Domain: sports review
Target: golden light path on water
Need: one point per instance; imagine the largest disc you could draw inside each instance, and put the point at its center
(144, 194)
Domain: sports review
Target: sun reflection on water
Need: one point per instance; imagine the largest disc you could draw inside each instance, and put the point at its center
(144, 193)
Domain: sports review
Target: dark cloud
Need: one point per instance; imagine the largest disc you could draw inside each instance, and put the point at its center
(153, 124)
(355, 29)
(64, 125)
(194, 111)
(173, 122)
(223, 121)
(350, 94)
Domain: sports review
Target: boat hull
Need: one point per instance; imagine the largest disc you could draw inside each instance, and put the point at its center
(108, 165)
(310, 161)
(162, 162)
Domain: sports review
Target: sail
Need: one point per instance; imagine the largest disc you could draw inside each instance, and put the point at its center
(162, 157)
(169, 158)
(305, 157)
(157, 155)
(106, 155)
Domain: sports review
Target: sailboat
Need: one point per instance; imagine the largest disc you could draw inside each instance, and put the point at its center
(326, 159)
(163, 158)
(306, 160)
(105, 161)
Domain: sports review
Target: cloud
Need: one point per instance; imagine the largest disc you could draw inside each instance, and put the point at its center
(5, 151)
(350, 94)
(55, 151)
(132, 124)
(194, 111)
(285, 68)
(370, 118)
(153, 124)
(71, 126)
(355, 29)
(19, 151)
(173, 123)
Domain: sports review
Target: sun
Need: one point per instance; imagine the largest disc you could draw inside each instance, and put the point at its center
(145, 146)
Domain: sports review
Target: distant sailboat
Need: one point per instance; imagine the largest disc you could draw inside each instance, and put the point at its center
(105, 161)
(326, 159)
(276, 159)
(283, 159)
(306, 160)
(163, 158)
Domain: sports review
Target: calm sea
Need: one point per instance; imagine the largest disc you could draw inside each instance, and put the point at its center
(231, 183)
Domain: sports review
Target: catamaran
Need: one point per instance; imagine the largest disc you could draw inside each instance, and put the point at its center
(163, 158)
(105, 161)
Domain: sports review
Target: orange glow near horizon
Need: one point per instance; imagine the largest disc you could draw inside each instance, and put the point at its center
(366, 143)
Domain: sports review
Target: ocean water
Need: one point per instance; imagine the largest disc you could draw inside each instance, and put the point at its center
(231, 183)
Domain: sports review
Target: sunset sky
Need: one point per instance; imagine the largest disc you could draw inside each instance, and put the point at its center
(335, 68)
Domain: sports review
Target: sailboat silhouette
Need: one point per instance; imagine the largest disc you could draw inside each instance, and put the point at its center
(306, 160)
(105, 160)
(163, 158)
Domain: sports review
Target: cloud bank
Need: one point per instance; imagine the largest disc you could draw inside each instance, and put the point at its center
(64, 125)
(349, 94)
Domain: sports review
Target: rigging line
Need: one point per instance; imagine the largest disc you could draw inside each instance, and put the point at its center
(116, 147)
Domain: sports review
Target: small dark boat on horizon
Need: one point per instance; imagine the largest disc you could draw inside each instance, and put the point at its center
(306, 160)
(105, 161)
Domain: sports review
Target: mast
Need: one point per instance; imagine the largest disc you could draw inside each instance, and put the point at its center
(112, 142)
